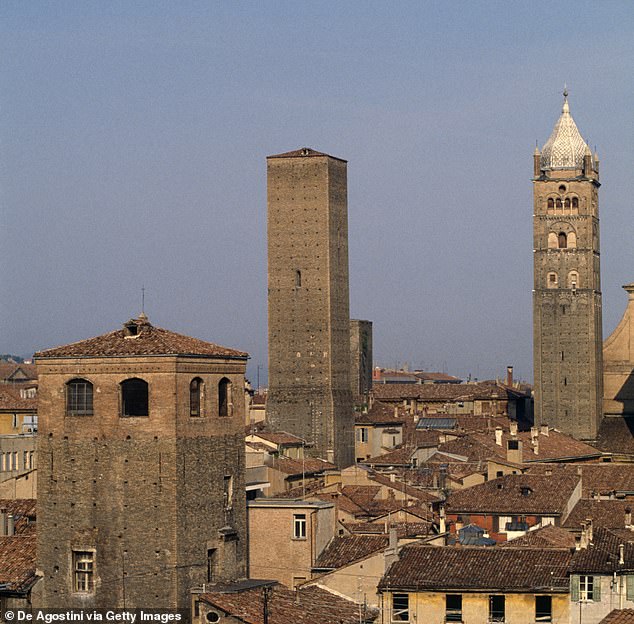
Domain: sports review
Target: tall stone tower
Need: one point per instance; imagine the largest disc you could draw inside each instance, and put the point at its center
(309, 317)
(140, 469)
(567, 283)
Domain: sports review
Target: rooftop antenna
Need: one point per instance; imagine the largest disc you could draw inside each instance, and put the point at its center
(143, 299)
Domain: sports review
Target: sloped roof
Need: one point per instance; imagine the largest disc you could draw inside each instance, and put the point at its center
(23, 511)
(304, 152)
(346, 549)
(565, 147)
(609, 514)
(279, 437)
(619, 616)
(602, 555)
(616, 435)
(430, 568)
(381, 414)
(515, 494)
(293, 467)
(549, 536)
(149, 340)
(306, 606)
(17, 562)
(10, 371)
(600, 478)
(10, 399)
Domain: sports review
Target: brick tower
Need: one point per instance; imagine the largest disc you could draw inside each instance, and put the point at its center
(141, 469)
(309, 317)
(567, 283)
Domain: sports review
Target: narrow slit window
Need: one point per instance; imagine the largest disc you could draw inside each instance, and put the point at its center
(224, 397)
(195, 395)
(298, 279)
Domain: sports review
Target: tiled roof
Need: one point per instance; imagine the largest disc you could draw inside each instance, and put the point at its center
(378, 527)
(346, 549)
(433, 568)
(565, 147)
(292, 467)
(304, 152)
(17, 562)
(380, 414)
(602, 555)
(616, 435)
(443, 392)
(23, 511)
(619, 616)
(549, 536)
(149, 340)
(10, 399)
(311, 605)
(515, 495)
(400, 455)
(602, 478)
(400, 485)
(279, 437)
(442, 377)
(609, 514)
(19, 372)
(554, 446)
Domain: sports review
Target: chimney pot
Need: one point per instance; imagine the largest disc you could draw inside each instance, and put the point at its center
(513, 426)
(509, 375)
(10, 525)
(498, 436)
(545, 430)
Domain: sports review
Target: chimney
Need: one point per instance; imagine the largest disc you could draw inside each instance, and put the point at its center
(396, 411)
(3, 522)
(498, 436)
(544, 430)
(391, 552)
(514, 451)
(443, 520)
(513, 426)
(509, 375)
(536, 446)
(621, 554)
(10, 525)
(589, 529)
(534, 433)
(583, 543)
(577, 542)
(628, 518)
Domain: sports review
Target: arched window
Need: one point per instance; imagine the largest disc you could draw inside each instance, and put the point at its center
(567, 202)
(562, 240)
(575, 202)
(224, 397)
(195, 396)
(552, 240)
(572, 240)
(134, 397)
(79, 398)
(558, 203)
(552, 281)
(551, 202)
(573, 279)
(298, 279)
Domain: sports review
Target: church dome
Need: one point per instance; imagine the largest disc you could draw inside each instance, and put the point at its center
(565, 147)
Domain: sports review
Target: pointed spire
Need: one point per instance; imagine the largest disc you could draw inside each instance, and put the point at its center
(565, 148)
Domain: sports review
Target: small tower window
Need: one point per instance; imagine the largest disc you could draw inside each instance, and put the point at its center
(298, 279)
(573, 280)
(224, 397)
(552, 280)
(562, 240)
(551, 202)
(562, 189)
(79, 398)
(572, 240)
(558, 203)
(134, 397)
(575, 202)
(567, 202)
(552, 240)
(195, 394)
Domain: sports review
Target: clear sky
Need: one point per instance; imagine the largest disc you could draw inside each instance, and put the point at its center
(133, 145)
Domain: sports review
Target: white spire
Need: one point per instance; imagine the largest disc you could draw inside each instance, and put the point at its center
(565, 148)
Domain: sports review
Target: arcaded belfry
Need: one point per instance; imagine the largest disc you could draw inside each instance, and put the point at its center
(567, 278)
(309, 316)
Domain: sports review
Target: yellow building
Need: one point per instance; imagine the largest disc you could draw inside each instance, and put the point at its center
(472, 585)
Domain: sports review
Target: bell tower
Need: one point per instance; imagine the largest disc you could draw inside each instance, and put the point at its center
(567, 283)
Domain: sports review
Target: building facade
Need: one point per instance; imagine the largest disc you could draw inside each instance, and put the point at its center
(309, 318)
(567, 283)
(141, 474)
(360, 360)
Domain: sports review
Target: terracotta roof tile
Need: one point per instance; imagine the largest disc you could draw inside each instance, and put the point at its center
(149, 340)
(602, 478)
(516, 494)
(382, 414)
(616, 435)
(17, 562)
(378, 527)
(304, 152)
(289, 466)
(609, 514)
(311, 605)
(280, 437)
(472, 567)
(602, 554)
(549, 536)
(10, 399)
(24, 512)
(349, 548)
(619, 616)
(20, 373)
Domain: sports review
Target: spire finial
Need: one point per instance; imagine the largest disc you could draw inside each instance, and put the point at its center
(565, 90)
(142, 298)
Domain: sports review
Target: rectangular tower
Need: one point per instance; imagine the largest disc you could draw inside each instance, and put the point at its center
(140, 469)
(309, 317)
(567, 284)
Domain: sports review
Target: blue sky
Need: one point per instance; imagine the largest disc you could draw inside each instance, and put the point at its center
(134, 137)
